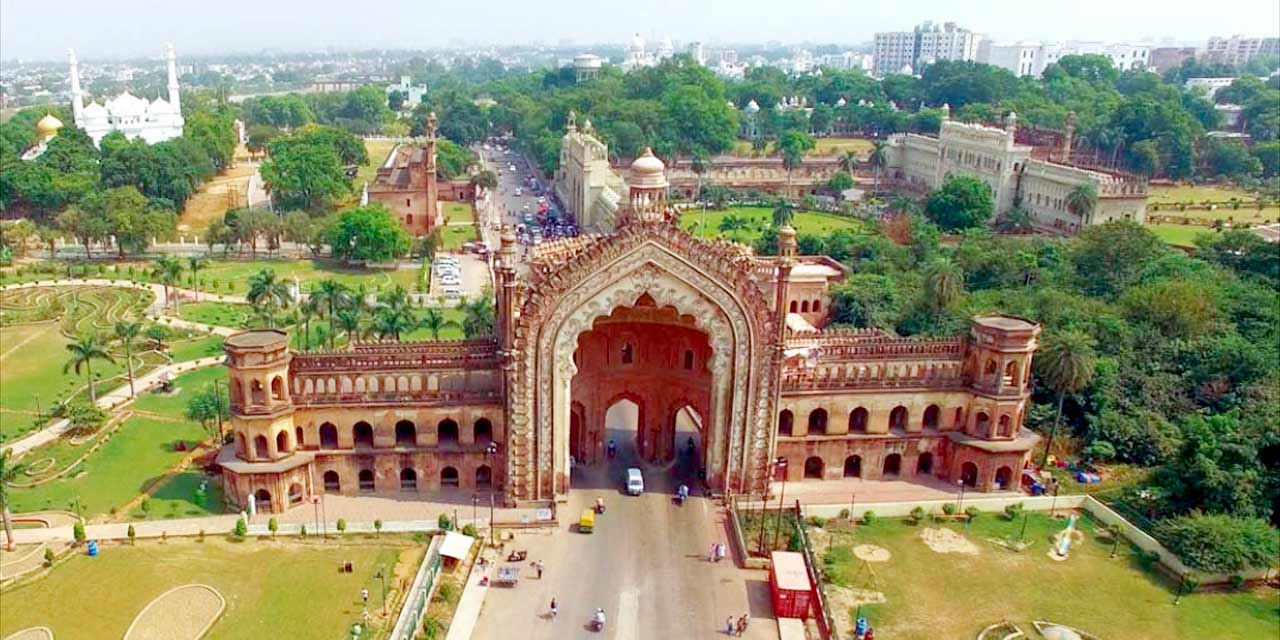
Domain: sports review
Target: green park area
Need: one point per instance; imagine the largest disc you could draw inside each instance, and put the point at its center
(286, 588)
(952, 580)
(221, 314)
(378, 151)
(232, 276)
(459, 211)
(195, 348)
(452, 330)
(1169, 200)
(1178, 235)
(454, 236)
(823, 147)
(136, 458)
(746, 224)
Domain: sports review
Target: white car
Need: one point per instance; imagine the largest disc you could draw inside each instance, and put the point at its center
(635, 482)
(519, 192)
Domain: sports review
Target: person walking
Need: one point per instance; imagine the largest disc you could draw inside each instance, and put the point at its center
(728, 626)
(538, 565)
(555, 609)
(742, 624)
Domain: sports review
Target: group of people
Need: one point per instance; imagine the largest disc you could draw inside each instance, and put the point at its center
(717, 552)
(736, 627)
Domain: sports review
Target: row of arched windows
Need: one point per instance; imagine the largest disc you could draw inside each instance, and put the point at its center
(366, 479)
(891, 467)
(858, 418)
(805, 306)
(1008, 379)
(406, 433)
(257, 393)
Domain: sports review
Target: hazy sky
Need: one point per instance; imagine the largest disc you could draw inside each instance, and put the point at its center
(102, 28)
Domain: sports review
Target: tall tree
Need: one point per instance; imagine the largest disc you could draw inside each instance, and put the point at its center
(84, 350)
(783, 213)
(334, 296)
(169, 271)
(960, 203)
(126, 333)
(1082, 201)
(268, 293)
(368, 234)
(878, 158)
(1066, 363)
(195, 264)
(433, 320)
(9, 470)
(944, 284)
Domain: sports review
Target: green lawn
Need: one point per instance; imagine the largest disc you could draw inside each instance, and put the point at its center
(453, 237)
(1166, 196)
(459, 211)
(232, 276)
(825, 146)
(450, 332)
(134, 459)
(935, 595)
(378, 151)
(174, 405)
(273, 589)
(1177, 234)
(758, 219)
(196, 348)
(222, 314)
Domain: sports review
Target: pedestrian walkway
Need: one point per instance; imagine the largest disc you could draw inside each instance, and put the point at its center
(467, 612)
(112, 400)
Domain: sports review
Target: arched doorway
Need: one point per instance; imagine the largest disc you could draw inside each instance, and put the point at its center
(406, 434)
(577, 447)
(482, 431)
(924, 464)
(297, 437)
(1006, 426)
(260, 447)
(813, 468)
(328, 436)
(282, 442)
(931, 417)
(362, 435)
(898, 419)
(858, 420)
(982, 424)
(853, 467)
(892, 465)
(365, 480)
(262, 500)
(969, 474)
(447, 432)
(818, 422)
(786, 422)
(408, 479)
(295, 493)
(1004, 477)
(448, 477)
(687, 438)
(332, 483)
(484, 477)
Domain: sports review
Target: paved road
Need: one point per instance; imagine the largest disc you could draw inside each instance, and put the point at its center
(645, 564)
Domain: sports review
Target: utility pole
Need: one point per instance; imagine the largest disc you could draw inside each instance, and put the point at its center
(781, 465)
(489, 452)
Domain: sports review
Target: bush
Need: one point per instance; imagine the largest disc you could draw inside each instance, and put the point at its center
(1219, 543)
(1237, 581)
(949, 508)
(77, 531)
(132, 535)
(817, 521)
(869, 517)
(469, 530)
(844, 514)
(443, 522)
(972, 512)
(200, 536)
(795, 542)
(48, 557)
(917, 514)
(342, 525)
(1012, 511)
(377, 526)
(273, 526)
(241, 529)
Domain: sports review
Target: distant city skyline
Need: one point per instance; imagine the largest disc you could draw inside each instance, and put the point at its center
(129, 28)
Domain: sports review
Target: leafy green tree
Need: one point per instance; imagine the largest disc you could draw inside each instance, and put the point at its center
(86, 226)
(1066, 364)
(783, 213)
(269, 293)
(1220, 543)
(211, 408)
(332, 296)
(944, 285)
(960, 203)
(84, 350)
(368, 234)
(433, 320)
(793, 146)
(867, 300)
(85, 417)
(394, 315)
(304, 173)
(1242, 251)
(252, 225)
(478, 316)
(9, 470)
(157, 334)
(1110, 257)
(169, 271)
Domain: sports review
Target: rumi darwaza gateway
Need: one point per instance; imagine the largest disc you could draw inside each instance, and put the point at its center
(646, 313)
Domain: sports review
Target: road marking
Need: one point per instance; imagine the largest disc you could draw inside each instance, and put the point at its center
(628, 615)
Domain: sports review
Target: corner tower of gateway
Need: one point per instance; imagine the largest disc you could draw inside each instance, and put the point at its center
(681, 330)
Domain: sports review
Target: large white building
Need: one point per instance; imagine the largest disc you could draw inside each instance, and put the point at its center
(910, 51)
(1016, 179)
(588, 187)
(1032, 58)
(152, 120)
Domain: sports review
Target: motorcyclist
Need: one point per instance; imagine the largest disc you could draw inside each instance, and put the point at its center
(683, 492)
(598, 619)
(599, 505)
(613, 448)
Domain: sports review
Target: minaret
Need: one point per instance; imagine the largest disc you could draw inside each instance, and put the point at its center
(173, 78)
(77, 96)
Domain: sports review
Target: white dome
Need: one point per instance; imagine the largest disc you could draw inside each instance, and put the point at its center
(126, 104)
(637, 43)
(95, 111)
(160, 106)
(752, 107)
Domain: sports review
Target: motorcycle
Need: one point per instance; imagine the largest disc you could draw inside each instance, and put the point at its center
(599, 505)
(682, 494)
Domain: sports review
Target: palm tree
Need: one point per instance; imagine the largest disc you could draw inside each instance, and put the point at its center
(1082, 201)
(434, 321)
(394, 314)
(1067, 365)
(783, 213)
(698, 164)
(333, 295)
(309, 310)
(84, 351)
(169, 270)
(9, 470)
(195, 264)
(849, 162)
(349, 321)
(878, 159)
(944, 284)
(268, 294)
(479, 316)
(126, 333)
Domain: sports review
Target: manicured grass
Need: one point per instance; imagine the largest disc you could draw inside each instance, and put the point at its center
(273, 589)
(450, 332)
(222, 314)
(1198, 193)
(378, 151)
(232, 276)
(196, 348)
(1177, 234)
(1167, 196)
(758, 219)
(174, 405)
(453, 237)
(459, 212)
(824, 147)
(135, 458)
(934, 595)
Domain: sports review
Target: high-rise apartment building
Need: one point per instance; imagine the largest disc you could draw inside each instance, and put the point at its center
(910, 51)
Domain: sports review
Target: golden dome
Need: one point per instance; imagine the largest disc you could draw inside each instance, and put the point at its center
(48, 126)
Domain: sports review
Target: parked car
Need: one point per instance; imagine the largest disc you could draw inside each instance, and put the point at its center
(635, 482)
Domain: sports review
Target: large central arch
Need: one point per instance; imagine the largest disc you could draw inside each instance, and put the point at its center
(743, 362)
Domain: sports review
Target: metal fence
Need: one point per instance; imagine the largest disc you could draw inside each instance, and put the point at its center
(826, 625)
(419, 596)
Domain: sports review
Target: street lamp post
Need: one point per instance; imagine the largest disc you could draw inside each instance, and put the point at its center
(382, 575)
(781, 465)
(475, 504)
(315, 507)
(489, 451)
(960, 506)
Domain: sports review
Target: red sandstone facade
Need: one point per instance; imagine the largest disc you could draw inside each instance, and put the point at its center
(647, 314)
(407, 185)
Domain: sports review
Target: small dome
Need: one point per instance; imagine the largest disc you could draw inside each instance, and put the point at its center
(95, 111)
(48, 126)
(159, 106)
(648, 172)
(752, 106)
(127, 104)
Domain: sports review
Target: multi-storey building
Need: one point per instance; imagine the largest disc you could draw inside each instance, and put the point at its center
(1238, 49)
(649, 315)
(910, 51)
(1016, 178)
(587, 186)
(407, 184)
(1032, 58)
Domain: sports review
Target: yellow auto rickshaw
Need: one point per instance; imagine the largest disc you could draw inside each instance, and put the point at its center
(587, 522)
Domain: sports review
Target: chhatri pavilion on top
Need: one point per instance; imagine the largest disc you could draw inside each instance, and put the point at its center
(647, 314)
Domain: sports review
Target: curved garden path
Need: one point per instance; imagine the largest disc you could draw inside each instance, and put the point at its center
(181, 613)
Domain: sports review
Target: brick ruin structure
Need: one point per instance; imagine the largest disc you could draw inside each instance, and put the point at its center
(647, 314)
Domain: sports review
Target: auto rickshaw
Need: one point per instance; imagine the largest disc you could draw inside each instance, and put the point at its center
(587, 521)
